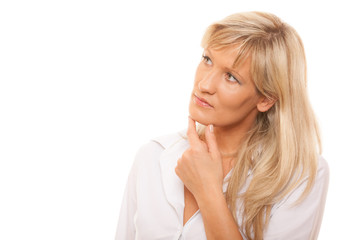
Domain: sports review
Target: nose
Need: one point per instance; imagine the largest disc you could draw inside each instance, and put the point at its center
(208, 82)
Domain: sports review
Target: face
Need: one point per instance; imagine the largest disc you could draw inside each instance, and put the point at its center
(222, 95)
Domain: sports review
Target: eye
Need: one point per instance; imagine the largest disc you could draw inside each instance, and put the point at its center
(206, 60)
(231, 78)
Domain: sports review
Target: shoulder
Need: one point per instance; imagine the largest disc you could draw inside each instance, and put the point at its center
(322, 176)
(323, 170)
(303, 219)
(319, 187)
(156, 146)
(166, 141)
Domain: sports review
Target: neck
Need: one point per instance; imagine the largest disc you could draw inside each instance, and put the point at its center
(229, 139)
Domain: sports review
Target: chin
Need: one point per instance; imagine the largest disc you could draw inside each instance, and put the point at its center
(200, 116)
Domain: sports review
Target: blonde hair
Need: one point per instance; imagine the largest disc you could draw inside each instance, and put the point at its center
(282, 148)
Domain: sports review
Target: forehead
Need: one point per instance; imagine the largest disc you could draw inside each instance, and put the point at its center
(233, 56)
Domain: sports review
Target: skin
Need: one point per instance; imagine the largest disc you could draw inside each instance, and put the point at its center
(234, 105)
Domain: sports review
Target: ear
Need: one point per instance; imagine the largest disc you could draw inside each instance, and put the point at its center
(264, 103)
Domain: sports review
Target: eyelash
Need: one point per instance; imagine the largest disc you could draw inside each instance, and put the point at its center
(206, 60)
(229, 75)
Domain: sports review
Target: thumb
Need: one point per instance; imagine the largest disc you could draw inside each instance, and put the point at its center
(211, 141)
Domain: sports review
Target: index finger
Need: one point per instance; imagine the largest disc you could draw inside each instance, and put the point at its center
(191, 133)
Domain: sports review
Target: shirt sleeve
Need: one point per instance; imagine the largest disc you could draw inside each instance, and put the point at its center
(126, 227)
(300, 221)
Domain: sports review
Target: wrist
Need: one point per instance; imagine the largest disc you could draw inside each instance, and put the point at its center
(210, 197)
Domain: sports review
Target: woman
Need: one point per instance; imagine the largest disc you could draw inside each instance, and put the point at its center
(252, 169)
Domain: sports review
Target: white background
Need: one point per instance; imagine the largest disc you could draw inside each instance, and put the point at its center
(83, 84)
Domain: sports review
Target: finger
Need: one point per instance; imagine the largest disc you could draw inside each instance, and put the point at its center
(192, 135)
(211, 142)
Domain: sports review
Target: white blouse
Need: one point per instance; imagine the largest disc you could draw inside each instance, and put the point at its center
(153, 203)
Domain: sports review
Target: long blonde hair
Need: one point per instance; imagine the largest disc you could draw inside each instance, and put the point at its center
(282, 147)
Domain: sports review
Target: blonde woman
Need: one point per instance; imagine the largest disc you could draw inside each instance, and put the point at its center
(251, 168)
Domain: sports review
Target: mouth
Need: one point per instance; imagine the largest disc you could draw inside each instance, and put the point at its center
(201, 102)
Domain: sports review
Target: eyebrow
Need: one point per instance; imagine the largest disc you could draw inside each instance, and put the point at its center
(227, 69)
(208, 50)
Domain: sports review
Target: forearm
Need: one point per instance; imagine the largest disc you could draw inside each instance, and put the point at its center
(218, 220)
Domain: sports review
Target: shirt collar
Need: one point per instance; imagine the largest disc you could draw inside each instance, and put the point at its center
(174, 146)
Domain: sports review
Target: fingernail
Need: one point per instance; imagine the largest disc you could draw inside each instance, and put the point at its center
(211, 128)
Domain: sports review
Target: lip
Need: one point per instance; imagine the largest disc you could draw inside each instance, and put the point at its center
(201, 102)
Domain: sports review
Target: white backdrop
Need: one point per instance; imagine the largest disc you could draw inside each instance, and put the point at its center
(83, 84)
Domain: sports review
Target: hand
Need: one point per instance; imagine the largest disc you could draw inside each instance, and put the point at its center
(200, 167)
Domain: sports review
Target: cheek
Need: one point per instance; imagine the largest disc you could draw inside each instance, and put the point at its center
(198, 76)
(229, 97)
(237, 101)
